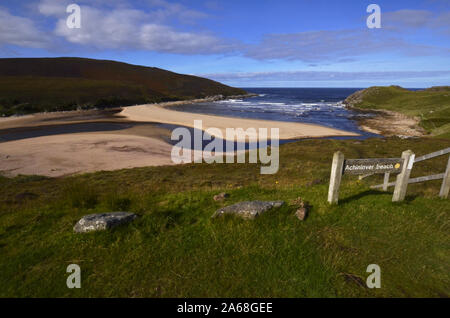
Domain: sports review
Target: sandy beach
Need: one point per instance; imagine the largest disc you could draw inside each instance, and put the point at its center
(60, 155)
(60, 118)
(143, 143)
(68, 154)
(288, 130)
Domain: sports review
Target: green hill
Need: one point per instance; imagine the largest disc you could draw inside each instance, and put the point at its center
(30, 85)
(432, 105)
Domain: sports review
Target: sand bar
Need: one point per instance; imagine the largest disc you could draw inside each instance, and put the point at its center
(287, 130)
(67, 154)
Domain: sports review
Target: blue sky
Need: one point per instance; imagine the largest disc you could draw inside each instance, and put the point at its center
(246, 43)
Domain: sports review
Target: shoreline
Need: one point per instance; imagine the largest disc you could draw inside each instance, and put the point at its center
(6, 119)
(199, 100)
(287, 130)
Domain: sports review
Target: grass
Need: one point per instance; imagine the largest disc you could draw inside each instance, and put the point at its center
(431, 105)
(175, 249)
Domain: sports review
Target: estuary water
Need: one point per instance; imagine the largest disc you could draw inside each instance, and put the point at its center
(322, 106)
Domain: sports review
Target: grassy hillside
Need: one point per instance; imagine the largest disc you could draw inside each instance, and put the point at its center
(48, 84)
(175, 249)
(431, 105)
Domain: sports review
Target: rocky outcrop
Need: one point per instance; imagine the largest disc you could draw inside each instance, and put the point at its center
(354, 99)
(248, 209)
(102, 221)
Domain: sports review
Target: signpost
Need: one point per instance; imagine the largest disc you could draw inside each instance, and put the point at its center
(403, 178)
(341, 166)
(445, 187)
(335, 178)
(366, 166)
(400, 166)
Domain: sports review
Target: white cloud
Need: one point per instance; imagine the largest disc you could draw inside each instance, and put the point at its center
(128, 28)
(407, 18)
(162, 38)
(296, 76)
(20, 31)
(169, 10)
(112, 29)
(51, 7)
(155, 26)
(336, 45)
(442, 23)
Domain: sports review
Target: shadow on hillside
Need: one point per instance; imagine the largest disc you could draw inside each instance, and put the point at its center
(361, 195)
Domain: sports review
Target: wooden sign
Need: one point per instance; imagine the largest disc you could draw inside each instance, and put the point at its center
(401, 166)
(340, 166)
(371, 166)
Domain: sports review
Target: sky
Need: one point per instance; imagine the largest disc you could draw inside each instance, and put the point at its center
(245, 43)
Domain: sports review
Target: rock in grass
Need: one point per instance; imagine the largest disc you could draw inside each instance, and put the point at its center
(248, 209)
(102, 221)
(303, 207)
(301, 213)
(221, 196)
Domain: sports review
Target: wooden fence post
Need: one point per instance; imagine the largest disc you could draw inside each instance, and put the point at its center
(386, 181)
(335, 177)
(402, 179)
(445, 188)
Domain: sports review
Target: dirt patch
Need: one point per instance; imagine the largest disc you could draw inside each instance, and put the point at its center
(389, 123)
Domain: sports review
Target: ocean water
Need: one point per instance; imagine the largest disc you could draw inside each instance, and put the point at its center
(323, 106)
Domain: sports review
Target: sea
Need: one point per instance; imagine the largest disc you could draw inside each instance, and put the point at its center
(323, 106)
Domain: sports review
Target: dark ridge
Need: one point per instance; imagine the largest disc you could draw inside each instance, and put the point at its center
(29, 85)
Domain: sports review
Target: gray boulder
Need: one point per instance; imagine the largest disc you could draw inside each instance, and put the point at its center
(248, 209)
(102, 221)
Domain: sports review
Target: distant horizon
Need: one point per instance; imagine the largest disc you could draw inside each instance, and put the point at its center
(324, 87)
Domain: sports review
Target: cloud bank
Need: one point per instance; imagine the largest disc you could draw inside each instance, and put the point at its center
(162, 27)
(128, 28)
(299, 76)
(21, 31)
